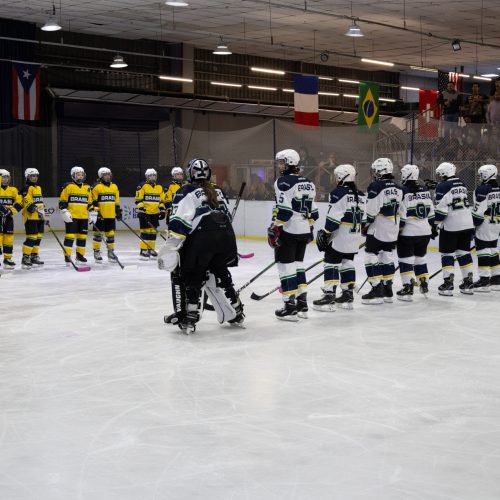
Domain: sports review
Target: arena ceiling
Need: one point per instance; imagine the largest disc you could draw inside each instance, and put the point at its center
(296, 29)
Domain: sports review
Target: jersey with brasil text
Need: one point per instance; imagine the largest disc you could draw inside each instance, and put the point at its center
(452, 205)
(295, 208)
(106, 198)
(77, 198)
(486, 212)
(32, 200)
(190, 206)
(382, 209)
(149, 197)
(169, 194)
(416, 212)
(344, 217)
(11, 199)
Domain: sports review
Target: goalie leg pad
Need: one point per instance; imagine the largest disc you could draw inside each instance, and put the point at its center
(225, 311)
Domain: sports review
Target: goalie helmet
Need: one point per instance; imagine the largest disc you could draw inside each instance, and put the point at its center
(151, 175)
(77, 173)
(409, 173)
(29, 172)
(487, 172)
(198, 170)
(103, 171)
(446, 170)
(5, 175)
(344, 173)
(382, 166)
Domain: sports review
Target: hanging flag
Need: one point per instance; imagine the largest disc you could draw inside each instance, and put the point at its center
(368, 104)
(443, 80)
(306, 100)
(25, 91)
(455, 78)
(428, 124)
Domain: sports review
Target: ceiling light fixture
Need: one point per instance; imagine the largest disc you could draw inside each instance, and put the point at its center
(352, 96)
(51, 24)
(421, 68)
(455, 45)
(178, 3)
(354, 30)
(257, 87)
(343, 80)
(224, 84)
(481, 78)
(287, 90)
(222, 49)
(118, 62)
(175, 79)
(375, 61)
(265, 70)
(409, 88)
(490, 75)
(463, 75)
(386, 99)
(333, 94)
(324, 78)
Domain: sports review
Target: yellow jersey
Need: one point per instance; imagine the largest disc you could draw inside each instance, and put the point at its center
(11, 199)
(32, 200)
(150, 198)
(77, 198)
(106, 198)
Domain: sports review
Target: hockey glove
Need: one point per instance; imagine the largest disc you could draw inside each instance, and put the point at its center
(434, 231)
(92, 217)
(273, 236)
(322, 240)
(119, 213)
(430, 184)
(41, 213)
(66, 216)
(161, 215)
(364, 230)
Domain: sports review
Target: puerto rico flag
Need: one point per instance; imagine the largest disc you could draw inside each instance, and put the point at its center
(25, 91)
(306, 100)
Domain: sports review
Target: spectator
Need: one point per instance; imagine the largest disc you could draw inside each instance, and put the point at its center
(228, 190)
(495, 87)
(259, 190)
(493, 113)
(475, 105)
(449, 99)
(326, 169)
(308, 163)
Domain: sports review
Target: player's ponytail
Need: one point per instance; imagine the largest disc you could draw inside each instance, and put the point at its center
(355, 191)
(210, 193)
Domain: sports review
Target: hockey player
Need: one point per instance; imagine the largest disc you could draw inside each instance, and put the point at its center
(106, 201)
(75, 203)
(200, 227)
(34, 219)
(12, 201)
(149, 200)
(290, 231)
(456, 229)
(381, 230)
(169, 193)
(416, 226)
(486, 218)
(340, 240)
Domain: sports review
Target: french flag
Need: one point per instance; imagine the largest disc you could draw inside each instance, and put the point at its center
(306, 100)
(25, 91)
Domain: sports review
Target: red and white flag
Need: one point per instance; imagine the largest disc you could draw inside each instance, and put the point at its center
(25, 91)
(429, 113)
(306, 100)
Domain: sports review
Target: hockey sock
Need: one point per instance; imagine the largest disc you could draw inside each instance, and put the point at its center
(464, 260)
(406, 269)
(29, 244)
(288, 278)
(331, 277)
(420, 268)
(68, 243)
(484, 262)
(81, 241)
(495, 264)
(149, 236)
(96, 241)
(110, 239)
(373, 270)
(36, 248)
(447, 263)
(347, 273)
(301, 277)
(387, 262)
(8, 244)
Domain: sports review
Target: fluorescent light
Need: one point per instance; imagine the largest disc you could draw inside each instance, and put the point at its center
(463, 75)
(481, 78)
(287, 90)
(224, 84)
(51, 25)
(490, 75)
(353, 96)
(329, 93)
(257, 87)
(178, 3)
(222, 50)
(455, 45)
(374, 61)
(118, 62)
(324, 78)
(354, 30)
(386, 99)
(175, 79)
(266, 70)
(421, 68)
(348, 81)
(409, 88)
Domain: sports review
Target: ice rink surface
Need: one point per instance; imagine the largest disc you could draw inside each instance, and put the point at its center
(101, 400)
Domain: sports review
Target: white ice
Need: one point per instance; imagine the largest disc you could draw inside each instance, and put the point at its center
(101, 400)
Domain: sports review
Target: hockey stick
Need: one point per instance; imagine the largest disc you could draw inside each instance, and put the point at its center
(260, 273)
(238, 199)
(110, 250)
(439, 270)
(156, 231)
(137, 234)
(255, 296)
(246, 255)
(82, 269)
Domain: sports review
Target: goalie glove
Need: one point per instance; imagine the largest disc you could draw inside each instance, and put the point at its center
(66, 216)
(168, 255)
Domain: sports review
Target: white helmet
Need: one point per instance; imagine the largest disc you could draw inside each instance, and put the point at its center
(382, 166)
(177, 171)
(409, 173)
(289, 156)
(150, 172)
(487, 172)
(103, 171)
(446, 169)
(30, 171)
(5, 174)
(345, 173)
(77, 170)
(198, 169)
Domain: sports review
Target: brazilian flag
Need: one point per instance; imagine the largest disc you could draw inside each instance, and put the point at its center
(368, 104)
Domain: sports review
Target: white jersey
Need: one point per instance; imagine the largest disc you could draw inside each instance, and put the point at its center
(486, 212)
(295, 209)
(344, 217)
(416, 212)
(382, 209)
(452, 205)
(190, 206)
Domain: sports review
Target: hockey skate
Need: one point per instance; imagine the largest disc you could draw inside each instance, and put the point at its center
(326, 302)
(240, 316)
(482, 284)
(112, 257)
(26, 262)
(188, 323)
(152, 253)
(67, 260)
(424, 286)
(173, 319)
(495, 283)
(288, 312)
(8, 264)
(375, 296)
(80, 260)
(144, 255)
(346, 300)
(97, 257)
(447, 287)
(35, 260)
(302, 308)
(388, 294)
(467, 285)
(406, 293)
